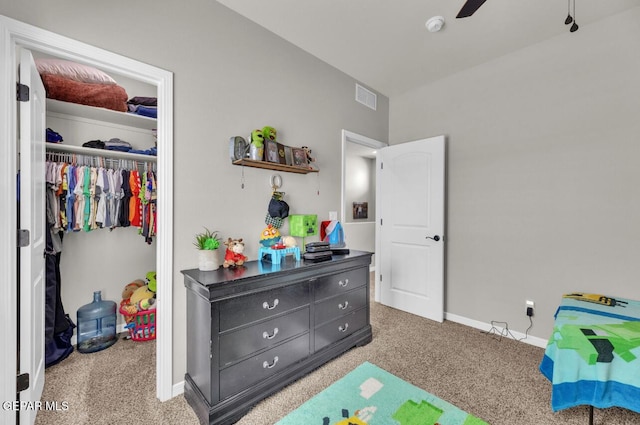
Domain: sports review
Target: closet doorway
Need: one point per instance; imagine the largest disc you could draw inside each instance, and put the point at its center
(16, 36)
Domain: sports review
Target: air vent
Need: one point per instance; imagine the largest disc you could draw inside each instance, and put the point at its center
(366, 97)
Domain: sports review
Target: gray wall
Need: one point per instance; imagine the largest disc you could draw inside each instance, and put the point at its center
(543, 174)
(231, 76)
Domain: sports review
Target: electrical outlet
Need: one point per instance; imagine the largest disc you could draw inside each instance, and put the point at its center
(530, 305)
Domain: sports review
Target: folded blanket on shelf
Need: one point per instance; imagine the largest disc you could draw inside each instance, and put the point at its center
(110, 96)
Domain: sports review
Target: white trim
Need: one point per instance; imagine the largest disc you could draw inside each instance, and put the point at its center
(13, 34)
(178, 388)
(8, 224)
(531, 340)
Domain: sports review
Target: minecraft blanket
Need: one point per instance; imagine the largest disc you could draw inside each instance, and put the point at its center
(593, 356)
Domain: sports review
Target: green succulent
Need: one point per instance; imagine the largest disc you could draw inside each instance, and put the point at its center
(207, 240)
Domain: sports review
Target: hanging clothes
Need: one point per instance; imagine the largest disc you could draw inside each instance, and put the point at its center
(90, 197)
(58, 327)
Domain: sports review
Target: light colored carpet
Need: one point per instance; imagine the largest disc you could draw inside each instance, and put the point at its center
(496, 380)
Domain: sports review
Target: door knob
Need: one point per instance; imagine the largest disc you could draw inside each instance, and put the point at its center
(435, 238)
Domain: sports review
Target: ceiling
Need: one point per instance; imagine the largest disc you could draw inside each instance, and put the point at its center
(384, 43)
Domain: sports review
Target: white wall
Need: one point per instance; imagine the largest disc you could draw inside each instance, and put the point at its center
(543, 172)
(360, 186)
(230, 76)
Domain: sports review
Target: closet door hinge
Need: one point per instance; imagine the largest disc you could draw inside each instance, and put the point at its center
(23, 238)
(22, 382)
(23, 93)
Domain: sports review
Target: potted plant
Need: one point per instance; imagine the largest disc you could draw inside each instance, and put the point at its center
(207, 243)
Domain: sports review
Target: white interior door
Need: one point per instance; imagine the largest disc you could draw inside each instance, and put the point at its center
(32, 218)
(410, 204)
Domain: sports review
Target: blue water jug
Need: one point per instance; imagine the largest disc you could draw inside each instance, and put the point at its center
(96, 325)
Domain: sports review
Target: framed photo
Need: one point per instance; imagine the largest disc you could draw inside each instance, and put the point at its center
(299, 157)
(360, 210)
(288, 155)
(282, 159)
(271, 151)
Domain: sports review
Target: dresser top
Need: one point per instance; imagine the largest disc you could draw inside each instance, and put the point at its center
(224, 281)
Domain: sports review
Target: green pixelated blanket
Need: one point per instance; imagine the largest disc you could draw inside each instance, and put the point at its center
(593, 356)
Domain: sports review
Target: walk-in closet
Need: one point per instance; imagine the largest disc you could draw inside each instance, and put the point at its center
(107, 156)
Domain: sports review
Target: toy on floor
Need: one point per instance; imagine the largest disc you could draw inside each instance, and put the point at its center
(234, 255)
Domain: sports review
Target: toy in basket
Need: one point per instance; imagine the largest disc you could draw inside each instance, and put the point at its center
(138, 307)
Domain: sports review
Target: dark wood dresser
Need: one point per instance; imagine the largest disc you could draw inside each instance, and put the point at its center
(254, 329)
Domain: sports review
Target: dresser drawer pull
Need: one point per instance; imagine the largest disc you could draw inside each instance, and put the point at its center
(343, 306)
(266, 335)
(266, 364)
(266, 305)
(343, 328)
(344, 284)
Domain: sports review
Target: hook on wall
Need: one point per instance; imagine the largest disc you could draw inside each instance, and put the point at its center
(276, 182)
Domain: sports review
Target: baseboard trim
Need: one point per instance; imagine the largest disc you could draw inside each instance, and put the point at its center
(177, 389)
(531, 340)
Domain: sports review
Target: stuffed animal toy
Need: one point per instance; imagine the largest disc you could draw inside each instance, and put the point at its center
(289, 241)
(151, 281)
(270, 236)
(142, 293)
(256, 148)
(257, 138)
(130, 288)
(146, 304)
(233, 256)
(307, 152)
(269, 133)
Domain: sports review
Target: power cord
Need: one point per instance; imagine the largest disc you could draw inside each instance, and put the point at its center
(505, 330)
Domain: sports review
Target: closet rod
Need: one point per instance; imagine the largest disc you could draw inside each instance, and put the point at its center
(81, 150)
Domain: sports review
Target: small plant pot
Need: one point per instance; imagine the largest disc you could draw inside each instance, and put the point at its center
(208, 260)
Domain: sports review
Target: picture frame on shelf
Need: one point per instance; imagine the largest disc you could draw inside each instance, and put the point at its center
(271, 151)
(282, 159)
(288, 154)
(299, 157)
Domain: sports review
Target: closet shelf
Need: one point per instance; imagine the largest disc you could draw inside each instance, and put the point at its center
(81, 150)
(273, 166)
(101, 114)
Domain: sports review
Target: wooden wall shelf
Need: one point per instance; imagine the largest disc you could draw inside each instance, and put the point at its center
(273, 166)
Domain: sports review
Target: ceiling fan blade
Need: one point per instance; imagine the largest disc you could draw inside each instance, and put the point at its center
(470, 8)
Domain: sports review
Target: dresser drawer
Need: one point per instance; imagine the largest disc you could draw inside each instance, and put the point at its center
(340, 305)
(339, 328)
(240, 343)
(250, 308)
(338, 283)
(255, 369)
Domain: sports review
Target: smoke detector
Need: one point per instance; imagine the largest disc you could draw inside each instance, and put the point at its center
(435, 24)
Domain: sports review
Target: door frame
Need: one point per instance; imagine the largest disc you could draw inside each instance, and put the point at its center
(15, 34)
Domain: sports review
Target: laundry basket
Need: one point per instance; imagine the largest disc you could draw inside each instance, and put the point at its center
(142, 325)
